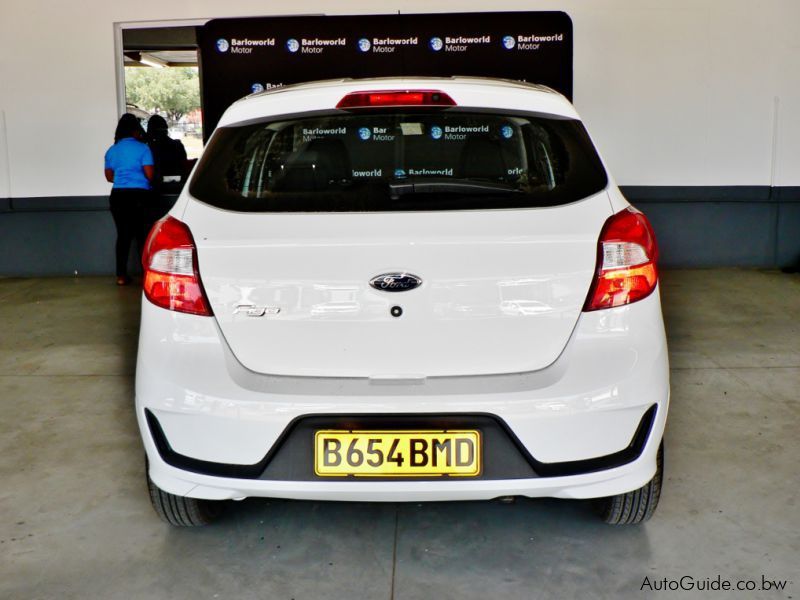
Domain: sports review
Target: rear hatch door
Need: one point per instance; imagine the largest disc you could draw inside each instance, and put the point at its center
(500, 292)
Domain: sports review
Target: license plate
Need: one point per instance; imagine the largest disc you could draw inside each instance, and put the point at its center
(339, 453)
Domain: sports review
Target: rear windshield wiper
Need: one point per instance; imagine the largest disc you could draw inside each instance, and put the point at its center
(449, 186)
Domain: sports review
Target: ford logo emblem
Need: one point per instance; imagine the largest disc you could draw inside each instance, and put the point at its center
(395, 282)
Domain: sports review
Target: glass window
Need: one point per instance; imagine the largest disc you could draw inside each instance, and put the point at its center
(398, 161)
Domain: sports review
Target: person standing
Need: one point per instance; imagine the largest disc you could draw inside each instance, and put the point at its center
(129, 166)
(170, 171)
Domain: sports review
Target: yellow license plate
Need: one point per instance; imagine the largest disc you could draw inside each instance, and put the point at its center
(340, 453)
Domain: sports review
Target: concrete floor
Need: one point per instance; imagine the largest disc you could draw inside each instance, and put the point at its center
(76, 521)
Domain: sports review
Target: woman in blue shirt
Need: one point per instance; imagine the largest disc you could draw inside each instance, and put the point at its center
(129, 166)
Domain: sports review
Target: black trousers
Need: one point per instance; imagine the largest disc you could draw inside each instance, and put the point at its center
(158, 206)
(128, 210)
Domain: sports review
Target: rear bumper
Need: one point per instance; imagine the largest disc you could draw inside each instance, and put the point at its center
(588, 404)
(592, 485)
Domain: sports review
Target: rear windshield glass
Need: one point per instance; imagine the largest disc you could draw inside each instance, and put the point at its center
(398, 161)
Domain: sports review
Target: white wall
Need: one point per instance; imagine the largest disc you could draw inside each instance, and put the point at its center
(677, 92)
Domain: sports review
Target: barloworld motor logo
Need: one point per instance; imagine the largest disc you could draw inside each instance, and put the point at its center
(292, 45)
(507, 131)
(509, 42)
(364, 133)
(436, 132)
(222, 45)
(364, 45)
(256, 88)
(436, 44)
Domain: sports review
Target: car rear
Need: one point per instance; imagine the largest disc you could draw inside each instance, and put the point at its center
(401, 290)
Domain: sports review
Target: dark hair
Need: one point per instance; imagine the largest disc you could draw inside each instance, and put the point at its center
(156, 127)
(128, 126)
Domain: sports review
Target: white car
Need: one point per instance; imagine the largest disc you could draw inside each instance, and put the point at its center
(402, 290)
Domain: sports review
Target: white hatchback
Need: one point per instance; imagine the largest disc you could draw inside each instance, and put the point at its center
(402, 290)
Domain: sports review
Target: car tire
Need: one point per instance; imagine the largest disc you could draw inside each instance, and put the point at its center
(181, 511)
(636, 506)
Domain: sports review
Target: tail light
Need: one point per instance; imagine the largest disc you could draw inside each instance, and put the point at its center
(171, 278)
(379, 99)
(626, 261)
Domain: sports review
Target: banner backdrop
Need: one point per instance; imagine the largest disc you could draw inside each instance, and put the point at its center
(242, 56)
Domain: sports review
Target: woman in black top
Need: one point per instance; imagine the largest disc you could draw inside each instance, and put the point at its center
(169, 157)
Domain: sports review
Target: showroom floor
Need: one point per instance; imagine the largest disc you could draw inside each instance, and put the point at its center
(76, 521)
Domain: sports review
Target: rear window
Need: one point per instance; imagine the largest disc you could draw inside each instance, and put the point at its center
(398, 161)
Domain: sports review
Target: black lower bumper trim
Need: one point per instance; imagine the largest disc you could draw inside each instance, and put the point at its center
(291, 458)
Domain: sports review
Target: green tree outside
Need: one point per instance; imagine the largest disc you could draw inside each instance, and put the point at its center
(174, 91)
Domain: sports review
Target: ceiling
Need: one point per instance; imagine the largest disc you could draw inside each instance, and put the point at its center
(166, 58)
(160, 46)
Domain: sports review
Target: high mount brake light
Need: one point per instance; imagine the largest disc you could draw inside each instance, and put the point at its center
(384, 98)
(171, 278)
(626, 261)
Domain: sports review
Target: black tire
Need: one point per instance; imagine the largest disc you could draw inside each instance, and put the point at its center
(636, 506)
(181, 511)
